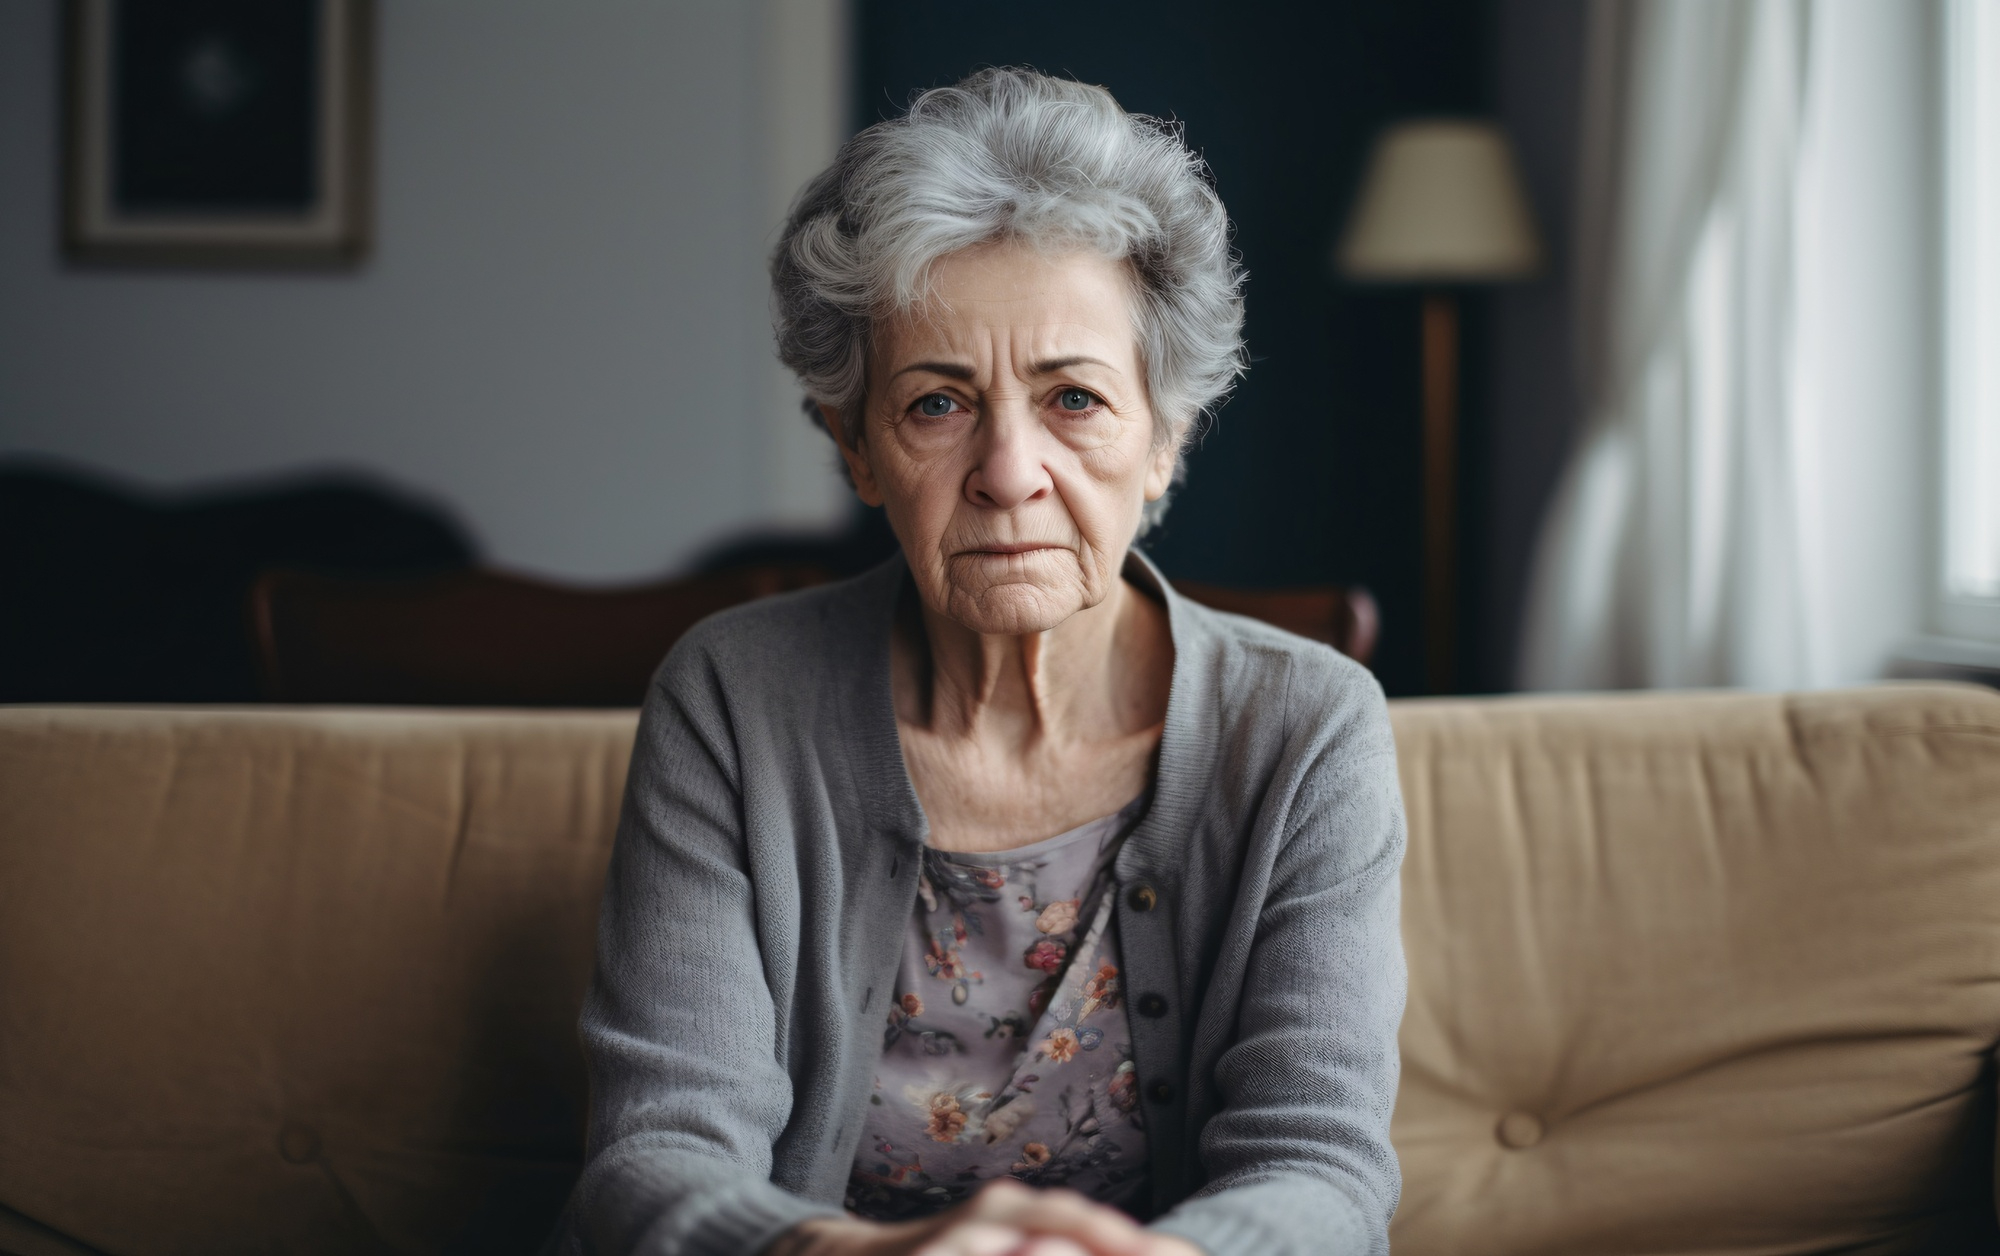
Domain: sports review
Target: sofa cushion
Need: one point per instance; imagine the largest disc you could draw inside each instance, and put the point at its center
(1700, 973)
(285, 981)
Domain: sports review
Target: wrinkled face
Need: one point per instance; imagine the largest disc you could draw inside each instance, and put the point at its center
(1009, 436)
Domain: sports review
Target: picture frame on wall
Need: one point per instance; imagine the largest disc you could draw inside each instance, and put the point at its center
(217, 132)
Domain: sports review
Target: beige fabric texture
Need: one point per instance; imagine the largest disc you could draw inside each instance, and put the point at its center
(1689, 974)
(1709, 973)
(295, 981)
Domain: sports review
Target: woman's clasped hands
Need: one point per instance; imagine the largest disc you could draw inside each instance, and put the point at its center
(1004, 1219)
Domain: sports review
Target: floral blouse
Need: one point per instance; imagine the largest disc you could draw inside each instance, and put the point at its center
(1007, 1051)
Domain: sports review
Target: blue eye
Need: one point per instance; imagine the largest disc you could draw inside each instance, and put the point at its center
(1075, 399)
(935, 406)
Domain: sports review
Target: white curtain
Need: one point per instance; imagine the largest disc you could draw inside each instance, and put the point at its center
(1746, 291)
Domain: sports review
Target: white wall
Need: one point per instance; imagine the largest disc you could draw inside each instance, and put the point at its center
(562, 332)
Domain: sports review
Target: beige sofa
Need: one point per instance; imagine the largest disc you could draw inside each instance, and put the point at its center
(1689, 974)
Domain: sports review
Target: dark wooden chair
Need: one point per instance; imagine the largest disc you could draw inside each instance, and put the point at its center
(485, 639)
(481, 638)
(1345, 618)
(110, 592)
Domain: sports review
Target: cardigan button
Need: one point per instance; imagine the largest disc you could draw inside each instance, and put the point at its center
(1152, 1005)
(1142, 898)
(1161, 1092)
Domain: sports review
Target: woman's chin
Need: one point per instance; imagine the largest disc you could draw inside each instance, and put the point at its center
(1014, 608)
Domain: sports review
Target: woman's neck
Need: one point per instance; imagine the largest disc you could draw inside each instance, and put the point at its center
(1093, 676)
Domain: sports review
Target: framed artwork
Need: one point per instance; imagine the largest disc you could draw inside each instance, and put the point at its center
(217, 132)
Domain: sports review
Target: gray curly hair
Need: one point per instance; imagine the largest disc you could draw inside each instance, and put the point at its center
(1011, 153)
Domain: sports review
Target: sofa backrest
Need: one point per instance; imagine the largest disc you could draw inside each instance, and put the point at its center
(1689, 973)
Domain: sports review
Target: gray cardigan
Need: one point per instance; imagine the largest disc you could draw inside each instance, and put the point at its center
(766, 863)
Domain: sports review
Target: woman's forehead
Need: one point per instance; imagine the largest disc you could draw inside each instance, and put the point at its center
(1020, 300)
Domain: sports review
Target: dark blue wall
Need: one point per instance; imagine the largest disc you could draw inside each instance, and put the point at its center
(1310, 474)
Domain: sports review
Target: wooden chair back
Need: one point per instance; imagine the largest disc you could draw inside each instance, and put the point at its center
(1345, 618)
(481, 638)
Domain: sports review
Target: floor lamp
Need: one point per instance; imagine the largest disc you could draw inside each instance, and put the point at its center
(1440, 206)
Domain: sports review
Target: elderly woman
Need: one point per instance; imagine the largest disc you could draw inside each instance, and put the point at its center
(1001, 900)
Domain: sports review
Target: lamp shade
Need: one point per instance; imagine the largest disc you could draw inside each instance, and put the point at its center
(1442, 202)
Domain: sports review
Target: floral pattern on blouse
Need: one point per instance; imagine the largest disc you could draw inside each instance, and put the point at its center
(1007, 1050)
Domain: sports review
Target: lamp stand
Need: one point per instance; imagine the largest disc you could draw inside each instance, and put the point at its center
(1440, 402)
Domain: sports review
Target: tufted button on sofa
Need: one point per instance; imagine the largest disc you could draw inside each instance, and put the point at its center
(1709, 973)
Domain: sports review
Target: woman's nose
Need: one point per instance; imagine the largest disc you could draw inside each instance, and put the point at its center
(1010, 470)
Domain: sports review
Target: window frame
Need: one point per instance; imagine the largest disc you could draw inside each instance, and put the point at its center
(1955, 615)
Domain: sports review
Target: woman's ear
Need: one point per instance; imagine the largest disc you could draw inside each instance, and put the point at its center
(854, 455)
(1160, 473)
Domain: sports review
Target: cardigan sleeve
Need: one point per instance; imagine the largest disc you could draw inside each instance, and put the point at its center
(686, 1093)
(1298, 1158)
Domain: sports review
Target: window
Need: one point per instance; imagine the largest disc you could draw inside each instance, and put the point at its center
(1970, 603)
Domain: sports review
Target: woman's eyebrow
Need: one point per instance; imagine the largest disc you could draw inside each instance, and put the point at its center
(1050, 366)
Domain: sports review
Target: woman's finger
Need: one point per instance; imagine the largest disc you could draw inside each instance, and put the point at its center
(1051, 1245)
(975, 1238)
(1100, 1231)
